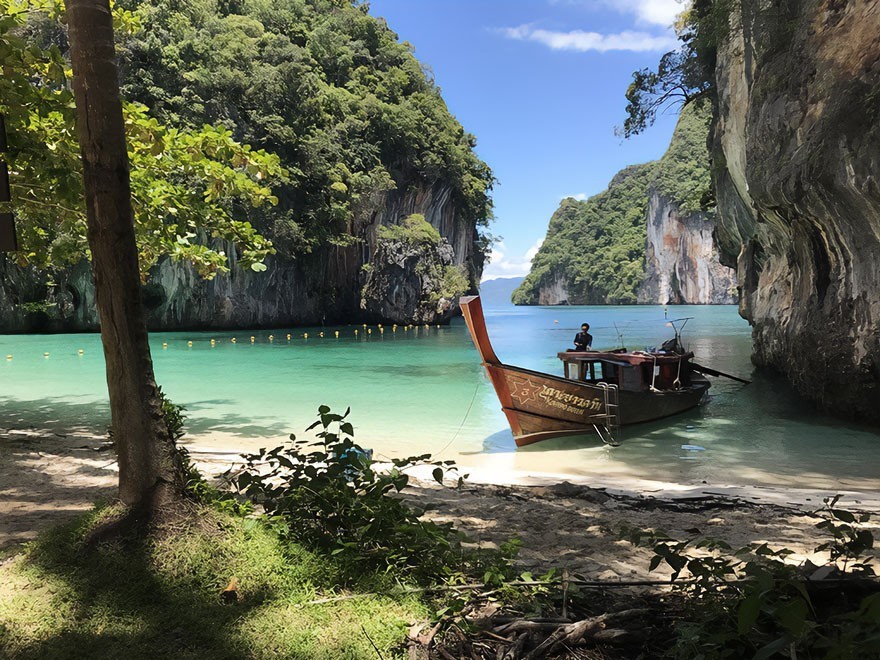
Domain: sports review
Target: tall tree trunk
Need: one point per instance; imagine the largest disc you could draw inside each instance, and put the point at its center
(149, 469)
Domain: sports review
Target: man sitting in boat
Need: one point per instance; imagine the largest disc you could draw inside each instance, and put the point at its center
(583, 341)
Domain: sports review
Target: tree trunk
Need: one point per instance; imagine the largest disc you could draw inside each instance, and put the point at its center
(149, 467)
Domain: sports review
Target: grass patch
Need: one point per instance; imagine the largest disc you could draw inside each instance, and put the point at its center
(159, 596)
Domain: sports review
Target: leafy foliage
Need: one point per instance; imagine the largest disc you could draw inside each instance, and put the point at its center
(683, 76)
(322, 84)
(186, 184)
(597, 247)
(328, 494)
(753, 603)
(414, 229)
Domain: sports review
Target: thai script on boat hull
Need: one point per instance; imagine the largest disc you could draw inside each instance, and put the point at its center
(569, 402)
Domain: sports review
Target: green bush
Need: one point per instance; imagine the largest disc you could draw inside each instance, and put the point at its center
(752, 603)
(328, 495)
(414, 229)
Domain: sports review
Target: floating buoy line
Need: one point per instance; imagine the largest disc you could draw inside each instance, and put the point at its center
(362, 333)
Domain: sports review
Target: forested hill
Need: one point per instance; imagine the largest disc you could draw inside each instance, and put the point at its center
(595, 250)
(364, 137)
(320, 83)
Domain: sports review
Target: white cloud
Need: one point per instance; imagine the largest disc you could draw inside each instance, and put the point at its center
(579, 40)
(578, 196)
(503, 265)
(651, 12)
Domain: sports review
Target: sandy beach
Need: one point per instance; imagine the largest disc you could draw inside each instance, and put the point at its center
(49, 477)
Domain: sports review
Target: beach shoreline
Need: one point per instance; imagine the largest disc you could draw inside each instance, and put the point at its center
(563, 521)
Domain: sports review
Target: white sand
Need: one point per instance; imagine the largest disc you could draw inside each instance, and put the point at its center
(46, 478)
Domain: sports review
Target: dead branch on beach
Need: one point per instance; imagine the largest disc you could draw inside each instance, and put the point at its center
(527, 639)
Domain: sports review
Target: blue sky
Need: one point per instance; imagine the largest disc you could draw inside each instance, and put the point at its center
(541, 85)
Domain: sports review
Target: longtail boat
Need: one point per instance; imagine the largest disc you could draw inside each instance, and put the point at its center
(599, 391)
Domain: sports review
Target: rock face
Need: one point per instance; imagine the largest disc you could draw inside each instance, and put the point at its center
(796, 149)
(553, 291)
(681, 260)
(325, 286)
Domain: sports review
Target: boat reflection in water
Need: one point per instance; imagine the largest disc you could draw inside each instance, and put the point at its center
(599, 392)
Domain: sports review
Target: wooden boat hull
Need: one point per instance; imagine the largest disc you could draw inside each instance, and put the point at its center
(540, 406)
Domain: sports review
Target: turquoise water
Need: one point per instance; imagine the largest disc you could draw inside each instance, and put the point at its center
(423, 390)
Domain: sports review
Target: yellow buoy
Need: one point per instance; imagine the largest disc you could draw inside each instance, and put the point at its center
(46, 354)
(232, 340)
(8, 357)
(379, 326)
(321, 334)
(381, 330)
(305, 335)
(337, 334)
(213, 342)
(365, 325)
(189, 343)
(288, 337)
(271, 337)
(355, 332)
(369, 331)
(253, 339)
(164, 344)
(80, 352)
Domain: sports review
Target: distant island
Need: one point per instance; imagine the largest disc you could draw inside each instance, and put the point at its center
(647, 238)
(498, 291)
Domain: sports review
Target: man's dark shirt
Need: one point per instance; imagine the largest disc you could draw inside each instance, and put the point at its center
(582, 340)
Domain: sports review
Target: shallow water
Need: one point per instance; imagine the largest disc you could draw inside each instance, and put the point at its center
(423, 390)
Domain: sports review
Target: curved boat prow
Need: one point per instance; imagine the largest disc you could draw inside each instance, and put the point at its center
(472, 309)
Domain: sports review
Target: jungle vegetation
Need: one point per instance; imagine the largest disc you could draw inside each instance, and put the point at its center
(271, 125)
(326, 87)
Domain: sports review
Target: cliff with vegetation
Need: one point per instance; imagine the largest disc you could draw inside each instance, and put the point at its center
(796, 148)
(647, 238)
(366, 141)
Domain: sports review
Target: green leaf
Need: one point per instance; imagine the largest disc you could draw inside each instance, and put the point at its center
(437, 473)
(771, 649)
(747, 612)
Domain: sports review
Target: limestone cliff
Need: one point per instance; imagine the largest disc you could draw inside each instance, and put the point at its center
(324, 286)
(796, 148)
(681, 260)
